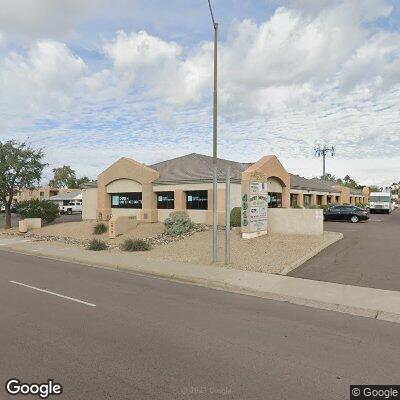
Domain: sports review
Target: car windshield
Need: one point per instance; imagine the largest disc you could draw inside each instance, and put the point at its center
(380, 199)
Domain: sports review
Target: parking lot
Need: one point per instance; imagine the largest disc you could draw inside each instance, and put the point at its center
(368, 255)
(62, 218)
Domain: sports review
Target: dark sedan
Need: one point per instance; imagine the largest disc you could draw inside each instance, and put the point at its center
(346, 213)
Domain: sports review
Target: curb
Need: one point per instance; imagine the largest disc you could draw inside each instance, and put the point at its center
(219, 285)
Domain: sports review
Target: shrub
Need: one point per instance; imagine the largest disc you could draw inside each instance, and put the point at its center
(135, 245)
(236, 217)
(100, 228)
(44, 209)
(178, 223)
(361, 205)
(297, 206)
(97, 245)
(324, 206)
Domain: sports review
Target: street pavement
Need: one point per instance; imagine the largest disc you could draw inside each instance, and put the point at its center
(368, 255)
(122, 336)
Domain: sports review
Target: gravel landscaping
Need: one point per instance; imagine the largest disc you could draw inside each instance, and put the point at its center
(269, 253)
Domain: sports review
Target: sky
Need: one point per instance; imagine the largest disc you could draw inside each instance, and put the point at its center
(91, 81)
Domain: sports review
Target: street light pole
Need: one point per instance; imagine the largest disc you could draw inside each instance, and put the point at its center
(215, 140)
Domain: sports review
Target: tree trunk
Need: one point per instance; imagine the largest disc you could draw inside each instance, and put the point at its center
(8, 215)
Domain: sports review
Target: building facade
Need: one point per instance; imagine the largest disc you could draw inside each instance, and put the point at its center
(151, 193)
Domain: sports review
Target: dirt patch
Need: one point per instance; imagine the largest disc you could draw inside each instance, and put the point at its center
(269, 253)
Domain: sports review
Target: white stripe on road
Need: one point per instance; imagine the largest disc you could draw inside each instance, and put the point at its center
(54, 294)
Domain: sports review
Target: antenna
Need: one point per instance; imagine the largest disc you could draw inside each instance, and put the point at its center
(322, 152)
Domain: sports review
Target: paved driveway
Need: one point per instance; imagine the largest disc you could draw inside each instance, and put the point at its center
(368, 255)
(62, 218)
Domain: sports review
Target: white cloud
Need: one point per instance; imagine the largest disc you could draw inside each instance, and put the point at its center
(142, 59)
(27, 20)
(45, 77)
(313, 72)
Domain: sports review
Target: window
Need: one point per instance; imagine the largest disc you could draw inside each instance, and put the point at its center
(380, 199)
(165, 200)
(197, 200)
(293, 200)
(126, 200)
(274, 200)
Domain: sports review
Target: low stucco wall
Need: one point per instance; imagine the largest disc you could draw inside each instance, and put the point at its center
(120, 225)
(293, 221)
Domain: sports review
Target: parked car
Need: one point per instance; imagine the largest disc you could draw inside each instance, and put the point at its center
(73, 206)
(13, 208)
(346, 213)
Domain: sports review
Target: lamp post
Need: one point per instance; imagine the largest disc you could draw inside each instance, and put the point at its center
(215, 136)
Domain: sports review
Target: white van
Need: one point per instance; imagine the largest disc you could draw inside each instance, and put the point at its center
(380, 202)
(71, 206)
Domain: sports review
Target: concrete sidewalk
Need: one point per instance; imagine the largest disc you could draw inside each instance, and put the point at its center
(367, 302)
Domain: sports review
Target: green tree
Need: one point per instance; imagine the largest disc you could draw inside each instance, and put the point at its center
(329, 177)
(63, 177)
(349, 182)
(82, 181)
(44, 209)
(21, 167)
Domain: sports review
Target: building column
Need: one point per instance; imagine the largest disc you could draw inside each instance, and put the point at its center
(149, 212)
(221, 216)
(103, 212)
(179, 200)
(300, 200)
(313, 200)
(324, 201)
(285, 197)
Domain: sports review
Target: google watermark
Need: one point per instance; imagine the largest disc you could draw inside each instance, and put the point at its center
(44, 390)
(374, 392)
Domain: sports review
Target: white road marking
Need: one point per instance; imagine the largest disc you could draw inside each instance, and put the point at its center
(54, 294)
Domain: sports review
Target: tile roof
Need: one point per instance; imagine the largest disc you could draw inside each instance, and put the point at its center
(67, 196)
(196, 167)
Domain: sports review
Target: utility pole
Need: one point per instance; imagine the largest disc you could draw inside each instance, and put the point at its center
(322, 153)
(215, 137)
(228, 217)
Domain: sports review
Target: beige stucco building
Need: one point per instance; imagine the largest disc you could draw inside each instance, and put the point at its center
(151, 193)
(42, 193)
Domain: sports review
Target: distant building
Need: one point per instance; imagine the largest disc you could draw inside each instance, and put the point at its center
(63, 198)
(151, 193)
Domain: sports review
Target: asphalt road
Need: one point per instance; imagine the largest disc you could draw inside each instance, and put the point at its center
(368, 255)
(148, 338)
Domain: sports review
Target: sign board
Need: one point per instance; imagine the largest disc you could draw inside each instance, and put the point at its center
(254, 207)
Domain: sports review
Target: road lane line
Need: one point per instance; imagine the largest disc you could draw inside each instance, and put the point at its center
(54, 294)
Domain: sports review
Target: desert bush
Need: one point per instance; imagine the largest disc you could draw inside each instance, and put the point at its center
(236, 217)
(100, 228)
(97, 245)
(44, 209)
(178, 223)
(135, 245)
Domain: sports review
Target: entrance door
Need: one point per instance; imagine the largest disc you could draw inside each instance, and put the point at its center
(274, 200)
